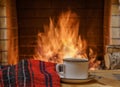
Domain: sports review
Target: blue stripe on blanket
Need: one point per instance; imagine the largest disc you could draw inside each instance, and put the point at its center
(9, 77)
(43, 72)
(23, 74)
(48, 74)
(32, 76)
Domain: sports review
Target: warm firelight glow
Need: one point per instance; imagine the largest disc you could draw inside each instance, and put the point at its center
(61, 39)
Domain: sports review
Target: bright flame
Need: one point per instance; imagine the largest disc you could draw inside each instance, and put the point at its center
(61, 39)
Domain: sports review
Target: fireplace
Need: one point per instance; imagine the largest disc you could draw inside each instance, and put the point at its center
(33, 15)
(25, 28)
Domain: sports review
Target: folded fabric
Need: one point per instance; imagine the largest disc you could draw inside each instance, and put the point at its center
(29, 73)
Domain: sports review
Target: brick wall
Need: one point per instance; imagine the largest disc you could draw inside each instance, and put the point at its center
(12, 31)
(106, 25)
(33, 14)
(3, 34)
(115, 23)
(8, 32)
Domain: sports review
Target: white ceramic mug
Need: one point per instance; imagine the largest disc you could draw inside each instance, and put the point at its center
(73, 68)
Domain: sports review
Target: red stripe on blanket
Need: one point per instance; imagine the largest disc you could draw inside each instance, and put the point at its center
(1, 81)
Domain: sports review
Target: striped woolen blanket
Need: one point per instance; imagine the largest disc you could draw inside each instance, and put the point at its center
(29, 73)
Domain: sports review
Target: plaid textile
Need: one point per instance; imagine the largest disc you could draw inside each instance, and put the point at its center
(29, 73)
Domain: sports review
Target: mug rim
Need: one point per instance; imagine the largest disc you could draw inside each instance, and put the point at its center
(76, 59)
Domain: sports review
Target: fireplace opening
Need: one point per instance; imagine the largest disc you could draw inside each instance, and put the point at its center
(33, 15)
(26, 21)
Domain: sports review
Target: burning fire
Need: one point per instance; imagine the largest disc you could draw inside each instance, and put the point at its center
(61, 39)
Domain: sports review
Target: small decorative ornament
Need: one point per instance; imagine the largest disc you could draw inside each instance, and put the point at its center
(112, 60)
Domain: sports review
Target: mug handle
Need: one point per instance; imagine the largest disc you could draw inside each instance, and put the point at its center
(60, 70)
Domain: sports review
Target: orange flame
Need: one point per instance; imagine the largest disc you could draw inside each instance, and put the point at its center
(61, 39)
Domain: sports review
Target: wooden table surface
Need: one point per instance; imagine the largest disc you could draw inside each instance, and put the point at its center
(108, 78)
